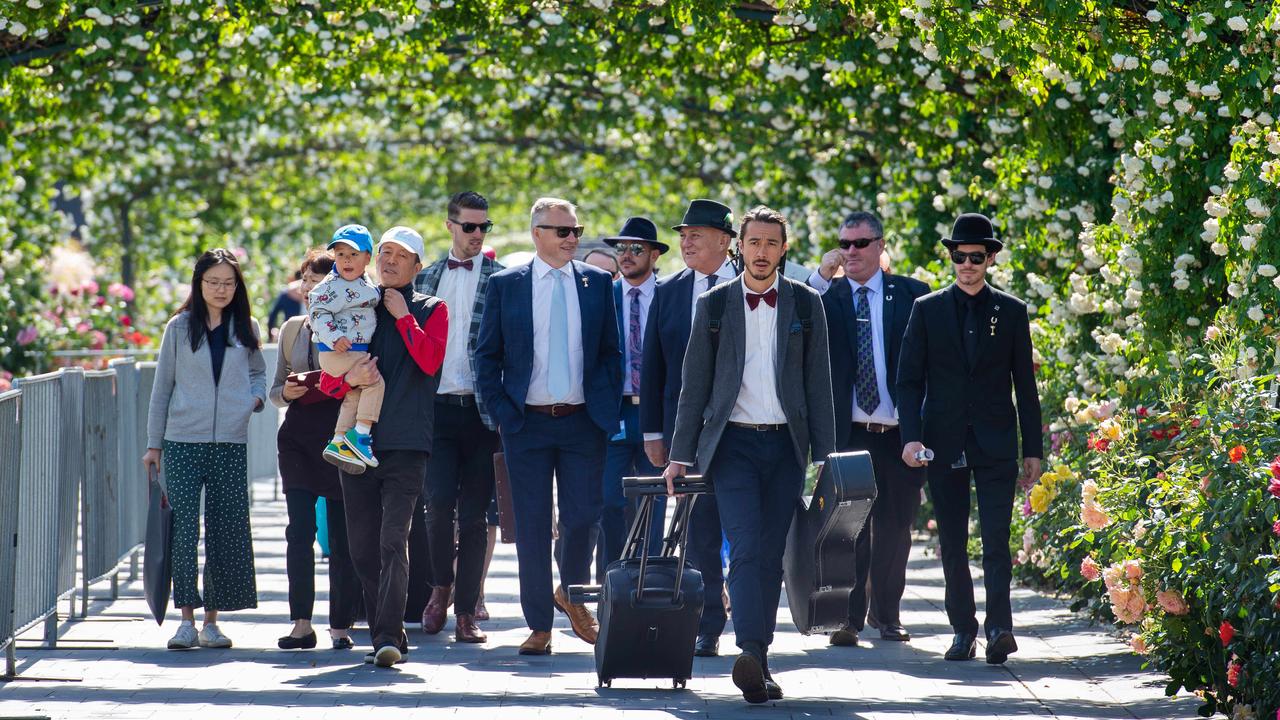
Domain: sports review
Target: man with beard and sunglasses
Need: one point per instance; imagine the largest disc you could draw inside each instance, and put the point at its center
(965, 355)
(549, 370)
(755, 409)
(459, 481)
(866, 315)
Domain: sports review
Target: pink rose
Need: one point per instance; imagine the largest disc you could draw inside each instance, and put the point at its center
(1089, 569)
(1276, 529)
(1274, 487)
(1233, 671)
(1138, 644)
(1132, 569)
(5, 384)
(1026, 507)
(90, 288)
(1094, 516)
(1172, 602)
(28, 335)
(120, 290)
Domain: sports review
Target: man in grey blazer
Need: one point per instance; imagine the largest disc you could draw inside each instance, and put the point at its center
(755, 407)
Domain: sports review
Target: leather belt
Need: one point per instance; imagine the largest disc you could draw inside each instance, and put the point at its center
(459, 400)
(556, 411)
(631, 399)
(758, 427)
(877, 428)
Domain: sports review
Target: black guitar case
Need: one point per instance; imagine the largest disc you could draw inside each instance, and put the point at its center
(819, 564)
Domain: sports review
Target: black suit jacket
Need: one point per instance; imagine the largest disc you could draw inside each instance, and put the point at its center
(899, 295)
(940, 396)
(666, 335)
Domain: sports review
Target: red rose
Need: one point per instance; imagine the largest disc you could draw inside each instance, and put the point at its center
(1173, 431)
(1276, 528)
(1275, 468)
(1226, 632)
(1157, 434)
(1195, 422)
(126, 321)
(1274, 487)
(1233, 672)
(1236, 454)
(1142, 411)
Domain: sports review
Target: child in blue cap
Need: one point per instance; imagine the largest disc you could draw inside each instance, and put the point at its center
(343, 320)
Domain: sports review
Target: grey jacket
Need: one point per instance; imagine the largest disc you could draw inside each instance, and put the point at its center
(186, 406)
(709, 386)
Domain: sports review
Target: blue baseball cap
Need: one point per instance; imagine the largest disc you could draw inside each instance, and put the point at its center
(357, 236)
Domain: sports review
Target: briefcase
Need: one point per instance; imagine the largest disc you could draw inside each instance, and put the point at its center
(649, 605)
(157, 562)
(819, 566)
(502, 491)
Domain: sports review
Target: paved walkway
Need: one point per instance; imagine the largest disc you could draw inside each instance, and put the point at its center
(112, 666)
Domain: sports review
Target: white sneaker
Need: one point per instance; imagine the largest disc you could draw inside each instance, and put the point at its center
(185, 638)
(212, 637)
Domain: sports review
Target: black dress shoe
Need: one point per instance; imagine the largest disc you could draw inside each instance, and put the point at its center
(748, 676)
(342, 643)
(774, 690)
(707, 646)
(845, 638)
(289, 642)
(1000, 644)
(897, 633)
(964, 646)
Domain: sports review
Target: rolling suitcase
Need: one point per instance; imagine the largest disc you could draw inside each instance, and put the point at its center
(819, 564)
(649, 606)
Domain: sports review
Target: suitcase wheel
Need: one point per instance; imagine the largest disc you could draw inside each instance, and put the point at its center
(678, 684)
(604, 682)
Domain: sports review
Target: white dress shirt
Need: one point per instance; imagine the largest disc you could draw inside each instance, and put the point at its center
(458, 290)
(543, 280)
(725, 274)
(645, 299)
(758, 401)
(885, 414)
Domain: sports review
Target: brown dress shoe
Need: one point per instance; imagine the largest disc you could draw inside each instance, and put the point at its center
(482, 612)
(465, 630)
(437, 608)
(845, 638)
(539, 643)
(580, 618)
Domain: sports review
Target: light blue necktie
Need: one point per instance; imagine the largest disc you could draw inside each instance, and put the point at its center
(558, 341)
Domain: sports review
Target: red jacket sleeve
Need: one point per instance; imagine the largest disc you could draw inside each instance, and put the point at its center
(426, 344)
(333, 386)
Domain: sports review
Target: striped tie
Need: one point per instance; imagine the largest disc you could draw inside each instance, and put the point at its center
(865, 376)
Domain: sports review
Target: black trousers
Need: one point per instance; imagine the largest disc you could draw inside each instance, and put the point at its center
(885, 541)
(704, 543)
(379, 511)
(459, 486)
(300, 560)
(994, 483)
(420, 581)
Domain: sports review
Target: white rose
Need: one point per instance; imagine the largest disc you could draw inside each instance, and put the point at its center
(1211, 333)
(1238, 24)
(1162, 98)
(1256, 208)
(1267, 270)
(1160, 67)
(1153, 15)
(1211, 90)
(1218, 249)
(1256, 314)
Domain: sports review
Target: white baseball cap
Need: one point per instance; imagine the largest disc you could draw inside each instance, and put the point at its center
(405, 237)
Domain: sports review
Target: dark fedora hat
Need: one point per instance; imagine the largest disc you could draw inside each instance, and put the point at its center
(638, 228)
(973, 229)
(708, 213)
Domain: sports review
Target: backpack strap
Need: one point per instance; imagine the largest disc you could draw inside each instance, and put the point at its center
(715, 307)
(804, 308)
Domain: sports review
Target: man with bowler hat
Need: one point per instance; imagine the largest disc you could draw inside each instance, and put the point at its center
(966, 353)
(638, 248)
(867, 313)
(704, 245)
(755, 408)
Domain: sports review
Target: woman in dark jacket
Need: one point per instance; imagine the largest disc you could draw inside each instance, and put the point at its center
(210, 377)
(308, 425)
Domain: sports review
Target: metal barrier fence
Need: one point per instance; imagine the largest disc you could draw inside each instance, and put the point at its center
(10, 472)
(263, 426)
(131, 510)
(47, 496)
(100, 509)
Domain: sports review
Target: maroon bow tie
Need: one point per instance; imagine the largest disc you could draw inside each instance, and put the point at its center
(771, 297)
(455, 264)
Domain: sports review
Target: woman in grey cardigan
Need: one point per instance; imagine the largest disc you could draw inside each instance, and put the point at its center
(209, 378)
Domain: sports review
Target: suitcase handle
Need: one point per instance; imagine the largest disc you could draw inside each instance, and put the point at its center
(638, 540)
(657, 485)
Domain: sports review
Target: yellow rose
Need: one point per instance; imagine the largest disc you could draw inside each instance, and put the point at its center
(1110, 429)
(1039, 499)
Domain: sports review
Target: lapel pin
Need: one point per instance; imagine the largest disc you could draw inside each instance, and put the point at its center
(888, 298)
(584, 281)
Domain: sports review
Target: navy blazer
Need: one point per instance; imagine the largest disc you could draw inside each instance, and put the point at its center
(504, 351)
(842, 335)
(666, 335)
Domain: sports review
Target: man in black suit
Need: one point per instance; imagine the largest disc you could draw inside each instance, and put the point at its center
(704, 246)
(867, 313)
(966, 353)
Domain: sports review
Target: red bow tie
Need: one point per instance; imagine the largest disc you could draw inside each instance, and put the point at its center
(771, 297)
(455, 264)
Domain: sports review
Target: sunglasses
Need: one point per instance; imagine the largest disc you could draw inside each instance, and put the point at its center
(860, 243)
(632, 248)
(467, 227)
(976, 258)
(563, 231)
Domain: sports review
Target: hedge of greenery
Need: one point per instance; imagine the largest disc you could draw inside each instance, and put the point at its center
(1129, 152)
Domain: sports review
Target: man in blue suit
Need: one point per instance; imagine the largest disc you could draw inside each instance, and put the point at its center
(867, 314)
(638, 249)
(551, 378)
(704, 245)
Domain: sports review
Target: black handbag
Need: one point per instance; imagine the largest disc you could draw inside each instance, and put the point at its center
(157, 564)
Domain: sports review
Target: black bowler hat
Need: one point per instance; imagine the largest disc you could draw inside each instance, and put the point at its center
(973, 229)
(708, 213)
(638, 228)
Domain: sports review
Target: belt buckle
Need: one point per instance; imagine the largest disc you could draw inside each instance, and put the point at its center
(555, 410)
